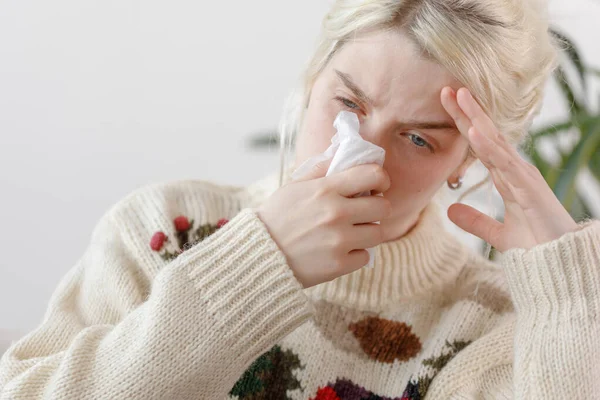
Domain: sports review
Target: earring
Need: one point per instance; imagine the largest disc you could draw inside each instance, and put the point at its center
(456, 185)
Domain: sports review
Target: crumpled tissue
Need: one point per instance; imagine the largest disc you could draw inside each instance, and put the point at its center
(347, 150)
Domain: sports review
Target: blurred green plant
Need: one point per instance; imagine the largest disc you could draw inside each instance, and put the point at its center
(582, 121)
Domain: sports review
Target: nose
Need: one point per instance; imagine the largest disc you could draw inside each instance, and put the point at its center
(374, 134)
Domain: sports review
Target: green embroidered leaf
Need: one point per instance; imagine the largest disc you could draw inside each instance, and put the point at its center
(269, 377)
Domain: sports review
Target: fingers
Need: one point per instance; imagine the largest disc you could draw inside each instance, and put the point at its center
(364, 236)
(501, 185)
(475, 113)
(359, 179)
(467, 113)
(319, 170)
(356, 259)
(512, 168)
(448, 97)
(367, 209)
(489, 144)
(477, 223)
(482, 122)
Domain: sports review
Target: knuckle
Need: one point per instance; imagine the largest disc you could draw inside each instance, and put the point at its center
(337, 240)
(337, 265)
(387, 206)
(335, 214)
(379, 173)
(364, 258)
(477, 220)
(381, 176)
(322, 188)
(377, 233)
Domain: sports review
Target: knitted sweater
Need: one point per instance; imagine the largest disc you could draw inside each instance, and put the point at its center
(183, 294)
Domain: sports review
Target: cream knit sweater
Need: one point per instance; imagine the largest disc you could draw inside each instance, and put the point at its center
(226, 318)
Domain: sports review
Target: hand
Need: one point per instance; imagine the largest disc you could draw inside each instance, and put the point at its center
(320, 228)
(533, 213)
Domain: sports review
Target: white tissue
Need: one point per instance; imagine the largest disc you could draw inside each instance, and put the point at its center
(347, 150)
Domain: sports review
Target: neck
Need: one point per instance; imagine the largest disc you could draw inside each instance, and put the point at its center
(397, 227)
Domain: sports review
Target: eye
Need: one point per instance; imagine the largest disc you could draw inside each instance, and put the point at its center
(350, 104)
(419, 141)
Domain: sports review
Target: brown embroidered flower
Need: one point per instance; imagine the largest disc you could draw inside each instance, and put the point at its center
(385, 340)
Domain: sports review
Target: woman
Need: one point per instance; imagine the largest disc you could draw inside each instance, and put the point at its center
(190, 290)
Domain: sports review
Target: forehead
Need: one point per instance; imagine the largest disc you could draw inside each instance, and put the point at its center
(388, 66)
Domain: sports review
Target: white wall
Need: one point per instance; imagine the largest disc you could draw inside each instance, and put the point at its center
(98, 98)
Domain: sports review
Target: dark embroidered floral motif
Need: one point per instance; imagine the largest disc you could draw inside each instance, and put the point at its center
(345, 389)
(269, 377)
(385, 340)
(186, 236)
(416, 390)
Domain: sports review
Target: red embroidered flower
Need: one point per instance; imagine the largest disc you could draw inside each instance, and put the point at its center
(222, 222)
(326, 393)
(157, 241)
(181, 224)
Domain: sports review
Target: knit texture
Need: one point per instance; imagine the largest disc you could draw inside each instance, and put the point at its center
(183, 294)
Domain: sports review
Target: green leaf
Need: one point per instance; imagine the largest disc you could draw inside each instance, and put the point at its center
(594, 164)
(581, 155)
(552, 129)
(578, 121)
(594, 71)
(267, 140)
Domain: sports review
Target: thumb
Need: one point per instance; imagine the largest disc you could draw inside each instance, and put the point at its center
(475, 222)
(319, 170)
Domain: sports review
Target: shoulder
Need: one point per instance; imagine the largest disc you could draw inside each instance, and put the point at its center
(157, 202)
(156, 221)
(169, 195)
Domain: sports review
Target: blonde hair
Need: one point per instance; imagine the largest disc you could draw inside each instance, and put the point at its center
(501, 50)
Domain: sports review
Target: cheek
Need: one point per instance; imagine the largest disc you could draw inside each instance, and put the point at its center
(413, 177)
(416, 175)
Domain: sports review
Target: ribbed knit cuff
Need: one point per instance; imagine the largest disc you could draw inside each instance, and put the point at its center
(561, 275)
(246, 282)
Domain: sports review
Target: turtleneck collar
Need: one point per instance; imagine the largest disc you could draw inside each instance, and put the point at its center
(418, 264)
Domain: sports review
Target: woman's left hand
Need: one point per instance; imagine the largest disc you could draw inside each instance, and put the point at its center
(533, 214)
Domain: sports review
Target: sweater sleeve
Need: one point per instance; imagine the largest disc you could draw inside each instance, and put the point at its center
(109, 333)
(549, 348)
(555, 288)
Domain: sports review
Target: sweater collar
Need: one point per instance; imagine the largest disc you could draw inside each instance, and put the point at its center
(418, 264)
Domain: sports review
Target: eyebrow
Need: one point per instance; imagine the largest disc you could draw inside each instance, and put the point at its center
(429, 125)
(358, 92)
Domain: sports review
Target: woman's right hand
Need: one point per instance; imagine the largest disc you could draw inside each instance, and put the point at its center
(320, 227)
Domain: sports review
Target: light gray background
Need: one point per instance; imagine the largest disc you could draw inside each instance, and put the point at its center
(99, 98)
